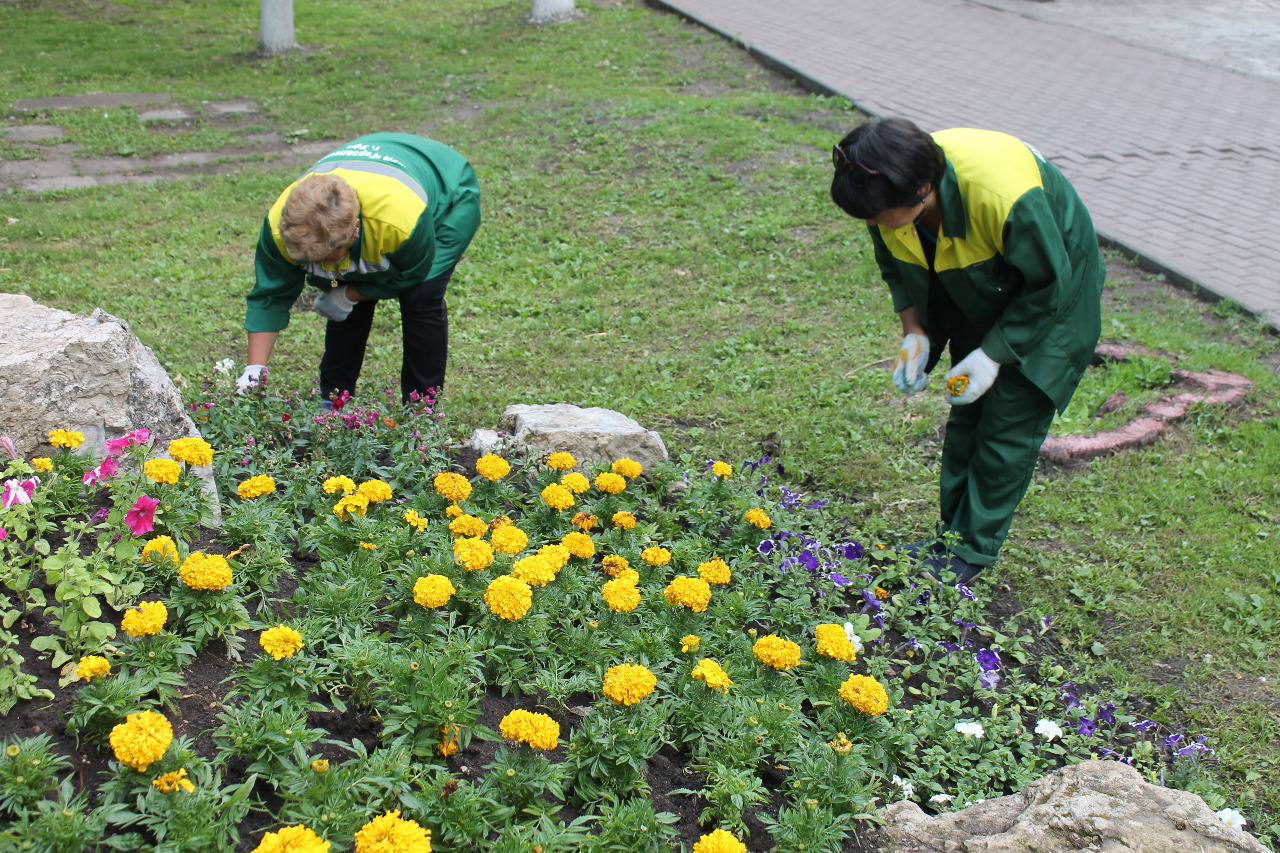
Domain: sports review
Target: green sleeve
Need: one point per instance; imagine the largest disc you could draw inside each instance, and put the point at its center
(277, 286)
(1035, 247)
(889, 271)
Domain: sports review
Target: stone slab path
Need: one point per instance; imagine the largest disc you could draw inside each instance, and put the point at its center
(56, 166)
(1178, 160)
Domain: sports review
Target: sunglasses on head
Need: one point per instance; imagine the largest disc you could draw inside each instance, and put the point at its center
(856, 170)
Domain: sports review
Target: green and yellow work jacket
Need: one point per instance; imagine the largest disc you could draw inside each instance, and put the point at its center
(419, 208)
(1016, 256)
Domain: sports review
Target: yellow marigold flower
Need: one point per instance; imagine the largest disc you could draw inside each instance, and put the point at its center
(159, 549)
(557, 497)
(492, 467)
(537, 730)
(454, 487)
(256, 487)
(368, 546)
(776, 652)
(449, 740)
(509, 540)
(585, 520)
(193, 451)
(469, 526)
(615, 563)
(721, 469)
(624, 519)
(43, 464)
(628, 468)
(169, 783)
(351, 504)
(292, 839)
(628, 683)
(375, 490)
(611, 483)
(415, 520)
(693, 593)
(205, 571)
(92, 666)
(452, 511)
(833, 642)
(709, 671)
(68, 438)
(575, 482)
(141, 740)
(280, 642)
(162, 470)
(473, 554)
(689, 642)
(716, 571)
(881, 593)
(342, 482)
(866, 694)
(579, 545)
(390, 833)
(147, 619)
(433, 591)
(320, 765)
(719, 841)
(630, 576)
(656, 556)
(956, 385)
(561, 461)
(390, 422)
(556, 555)
(840, 744)
(500, 521)
(534, 570)
(508, 597)
(621, 595)
(759, 518)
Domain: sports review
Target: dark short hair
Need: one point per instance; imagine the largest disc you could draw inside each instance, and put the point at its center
(904, 157)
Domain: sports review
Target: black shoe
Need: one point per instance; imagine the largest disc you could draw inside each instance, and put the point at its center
(951, 568)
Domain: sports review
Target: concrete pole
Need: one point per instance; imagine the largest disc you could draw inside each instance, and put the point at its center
(551, 11)
(277, 27)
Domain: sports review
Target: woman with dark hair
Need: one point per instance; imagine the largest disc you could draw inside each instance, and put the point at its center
(987, 249)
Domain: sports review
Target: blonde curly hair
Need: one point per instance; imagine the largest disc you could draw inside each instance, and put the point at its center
(319, 217)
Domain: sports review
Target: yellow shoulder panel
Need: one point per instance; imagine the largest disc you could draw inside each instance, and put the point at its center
(993, 171)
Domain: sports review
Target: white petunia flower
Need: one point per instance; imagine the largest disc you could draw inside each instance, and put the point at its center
(1232, 818)
(1049, 729)
(942, 798)
(908, 789)
(225, 366)
(853, 637)
(967, 729)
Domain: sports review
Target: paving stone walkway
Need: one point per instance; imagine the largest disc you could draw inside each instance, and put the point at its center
(1178, 161)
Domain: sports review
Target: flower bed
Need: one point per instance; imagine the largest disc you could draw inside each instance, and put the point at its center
(548, 654)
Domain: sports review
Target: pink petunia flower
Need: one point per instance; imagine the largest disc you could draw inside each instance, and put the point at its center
(19, 491)
(116, 446)
(105, 471)
(141, 519)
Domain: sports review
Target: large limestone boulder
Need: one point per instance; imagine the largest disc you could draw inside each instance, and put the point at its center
(1103, 806)
(81, 372)
(593, 433)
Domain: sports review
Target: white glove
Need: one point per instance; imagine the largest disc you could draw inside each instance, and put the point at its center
(252, 376)
(334, 304)
(908, 369)
(971, 378)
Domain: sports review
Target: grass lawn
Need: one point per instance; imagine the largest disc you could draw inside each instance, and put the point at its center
(658, 240)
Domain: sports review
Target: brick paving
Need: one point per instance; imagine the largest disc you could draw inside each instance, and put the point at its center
(1179, 162)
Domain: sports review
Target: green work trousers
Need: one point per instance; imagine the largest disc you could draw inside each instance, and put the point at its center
(988, 458)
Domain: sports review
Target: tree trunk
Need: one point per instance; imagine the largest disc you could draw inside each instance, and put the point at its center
(551, 11)
(277, 27)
